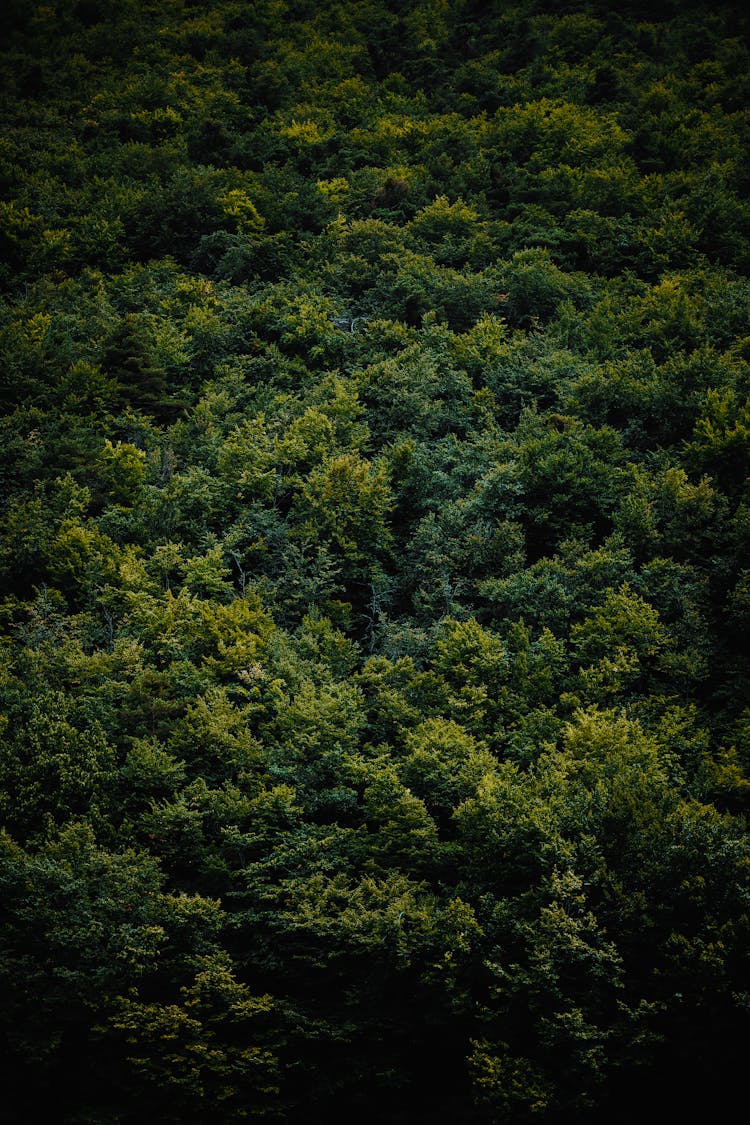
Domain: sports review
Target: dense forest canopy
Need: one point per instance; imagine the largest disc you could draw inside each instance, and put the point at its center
(375, 581)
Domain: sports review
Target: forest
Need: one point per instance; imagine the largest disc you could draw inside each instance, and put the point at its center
(374, 561)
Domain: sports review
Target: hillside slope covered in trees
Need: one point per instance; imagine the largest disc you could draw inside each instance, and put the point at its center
(375, 586)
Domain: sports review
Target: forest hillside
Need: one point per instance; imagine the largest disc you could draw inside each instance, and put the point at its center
(374, 569)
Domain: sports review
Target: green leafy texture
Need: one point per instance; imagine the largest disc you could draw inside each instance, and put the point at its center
(374, 516)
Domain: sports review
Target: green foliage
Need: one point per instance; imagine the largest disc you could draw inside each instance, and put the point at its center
(373, 544)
